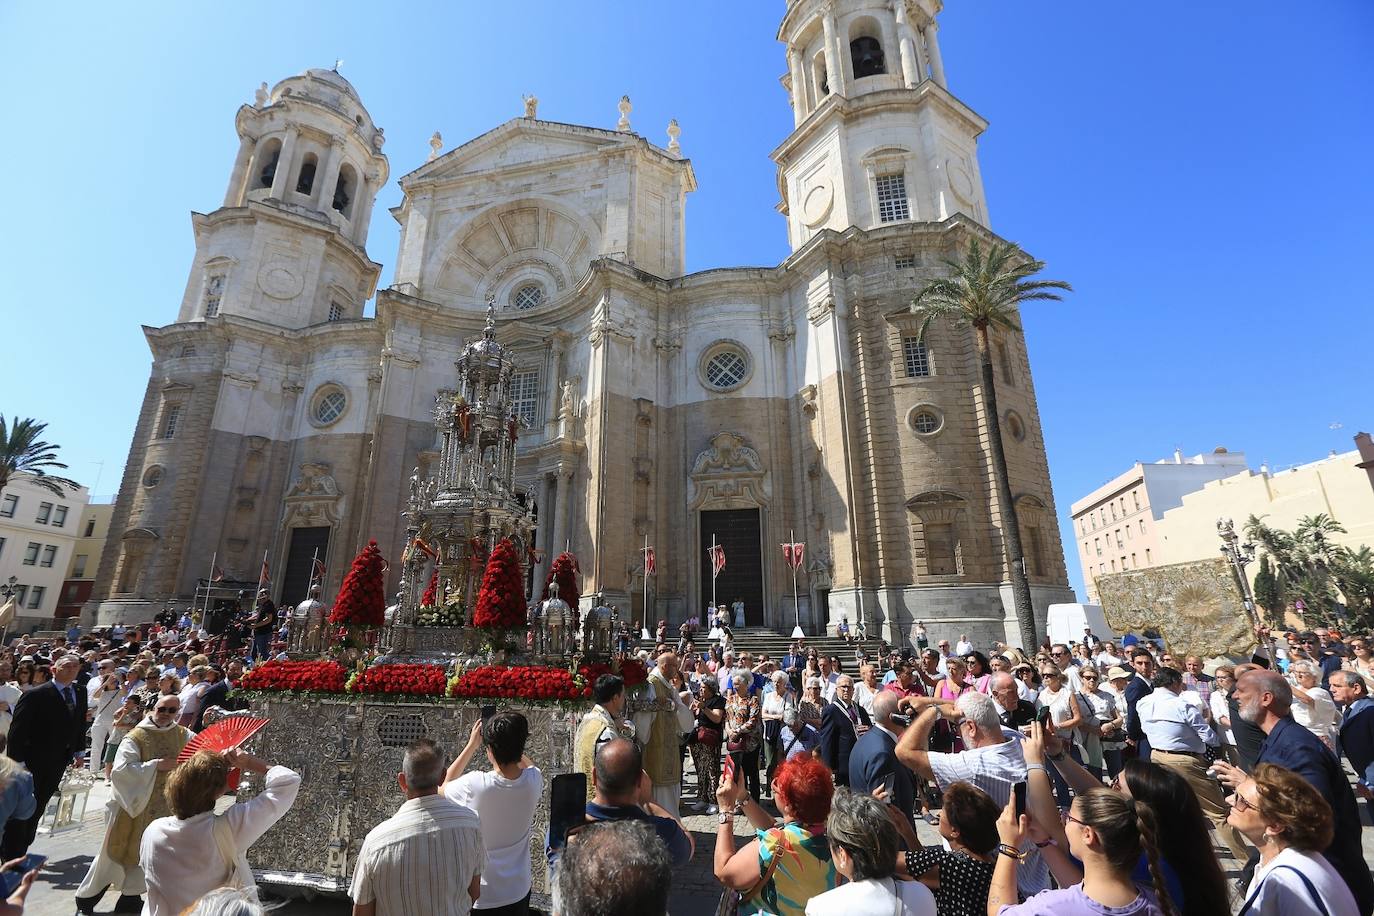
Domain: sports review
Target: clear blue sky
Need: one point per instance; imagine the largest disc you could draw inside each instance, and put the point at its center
(1201, 174)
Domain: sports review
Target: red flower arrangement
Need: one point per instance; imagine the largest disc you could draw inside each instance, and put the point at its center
(501, 601)
(324, 677)
(362, 598)
(416, 680)
(631, 670)
(526, 682)
(566, 571)
(432, 591)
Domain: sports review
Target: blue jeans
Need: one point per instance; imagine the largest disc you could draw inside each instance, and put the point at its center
(262, 646)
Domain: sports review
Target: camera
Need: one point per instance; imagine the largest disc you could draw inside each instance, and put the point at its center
(901, 718)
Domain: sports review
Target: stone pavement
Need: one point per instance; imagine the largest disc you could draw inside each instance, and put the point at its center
(695, 891)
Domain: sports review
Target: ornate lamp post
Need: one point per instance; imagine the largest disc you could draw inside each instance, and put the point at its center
(7, 591)
(1241, 555)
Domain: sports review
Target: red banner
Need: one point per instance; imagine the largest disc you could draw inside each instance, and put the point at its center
(717, 559)
(793, 553)
(650, 563)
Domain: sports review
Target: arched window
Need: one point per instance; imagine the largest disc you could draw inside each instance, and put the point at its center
(267, 156)
(345, 190)
(822, 80)
(306, 179)
(866, 54)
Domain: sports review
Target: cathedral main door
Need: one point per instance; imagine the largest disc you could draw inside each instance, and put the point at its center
(306, 544)
(737, 530)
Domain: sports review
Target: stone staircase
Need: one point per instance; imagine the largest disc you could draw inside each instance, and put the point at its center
(762, 639)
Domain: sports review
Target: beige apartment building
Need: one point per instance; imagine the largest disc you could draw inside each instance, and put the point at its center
(1115, 525)
(38, 531)
(1337, 485)
(92, 530)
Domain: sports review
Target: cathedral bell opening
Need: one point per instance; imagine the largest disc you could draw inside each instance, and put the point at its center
(867, 56)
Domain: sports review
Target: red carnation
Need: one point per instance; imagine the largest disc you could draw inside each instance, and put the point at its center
(501, 600)
(566, 571)
(431, 593)
(361, 600)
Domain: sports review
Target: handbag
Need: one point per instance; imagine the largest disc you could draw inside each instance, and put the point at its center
(731, 899)
(708, 736)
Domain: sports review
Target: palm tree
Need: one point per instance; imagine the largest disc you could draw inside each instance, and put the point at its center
(22, 452)
(982, 292)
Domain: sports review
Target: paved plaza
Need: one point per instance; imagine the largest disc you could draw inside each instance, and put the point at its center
(695, 890)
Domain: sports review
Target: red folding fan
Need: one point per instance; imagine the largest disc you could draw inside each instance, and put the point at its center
(225, 735)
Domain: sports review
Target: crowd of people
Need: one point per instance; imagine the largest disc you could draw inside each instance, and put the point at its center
(1082, 778)
(1085, 777)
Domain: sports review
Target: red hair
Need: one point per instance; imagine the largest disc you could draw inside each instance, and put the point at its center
(805, 785)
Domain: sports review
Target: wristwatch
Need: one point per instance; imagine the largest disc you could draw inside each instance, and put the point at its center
(727, 817)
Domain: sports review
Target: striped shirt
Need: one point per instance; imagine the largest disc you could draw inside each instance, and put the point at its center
(995, 768)
(421, 860)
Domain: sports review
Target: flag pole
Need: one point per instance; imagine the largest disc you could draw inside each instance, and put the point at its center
(644, 611)
(796, 604)
(713, 573)
(314, 558)
(260, 572)
(209, 583)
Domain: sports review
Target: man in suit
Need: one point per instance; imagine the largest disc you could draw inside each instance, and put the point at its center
(1144, 664)
(48, 732)
(1013, 711)
(1351, 694)
(843, 723)
(873, 758)
(1266, 699)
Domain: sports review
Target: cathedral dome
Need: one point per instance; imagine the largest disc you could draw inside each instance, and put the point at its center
(334, 78)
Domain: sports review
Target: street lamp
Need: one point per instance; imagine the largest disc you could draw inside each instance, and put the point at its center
(1241, 555)
(7, 591)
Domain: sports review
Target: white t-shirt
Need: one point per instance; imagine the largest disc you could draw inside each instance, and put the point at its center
(506, 809)
(1319, 718)
(874, 897)
(1220, 708)
(1276, 891)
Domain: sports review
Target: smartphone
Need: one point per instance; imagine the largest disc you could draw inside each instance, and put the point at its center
(1043, 717)
(10, 877)
(1019, 790)
(727, 768)
(488, 710)
(567, 806)
(889, 783)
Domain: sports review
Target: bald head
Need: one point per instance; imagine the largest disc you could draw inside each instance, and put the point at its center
(884, 705)
(617, 767)
(1263, 697)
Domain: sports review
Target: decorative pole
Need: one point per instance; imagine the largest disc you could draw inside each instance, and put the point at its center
(796, 603)
(715, 571)
(209, 583)
(1241, 555)
(644, 620)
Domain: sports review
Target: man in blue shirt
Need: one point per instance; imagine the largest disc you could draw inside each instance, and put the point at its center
(1266, 699)
(622, 789)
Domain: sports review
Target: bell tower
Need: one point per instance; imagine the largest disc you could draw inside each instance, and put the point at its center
(287, 247)
(878, 137)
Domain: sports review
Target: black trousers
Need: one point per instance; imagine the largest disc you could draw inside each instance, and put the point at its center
(19, 834)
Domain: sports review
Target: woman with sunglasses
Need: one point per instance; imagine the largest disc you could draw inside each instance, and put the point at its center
(1101, 720)
(1066, 715)
(1290, 823)
(1363, 659)
(1192, 876)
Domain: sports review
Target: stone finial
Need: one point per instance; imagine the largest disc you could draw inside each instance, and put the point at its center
(378, 141)
(623, 125)
(673, 133)
(531, 106)
(260, 97)
(436, 143)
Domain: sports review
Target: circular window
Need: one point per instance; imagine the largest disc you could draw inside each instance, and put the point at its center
(330, 404)
(527, 296)
(1015, 426)
(925, 419)
(152, 477)
(726, 368)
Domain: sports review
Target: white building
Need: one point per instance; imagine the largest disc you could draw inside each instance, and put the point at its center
(38, 531)
(1115, 524)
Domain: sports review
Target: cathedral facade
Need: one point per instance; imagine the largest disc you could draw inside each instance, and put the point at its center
(746, 407)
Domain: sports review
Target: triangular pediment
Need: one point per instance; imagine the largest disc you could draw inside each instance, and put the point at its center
(516, 143)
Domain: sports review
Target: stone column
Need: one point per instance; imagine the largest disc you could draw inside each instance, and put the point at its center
(233, 195)
(545, 539)
(922, 62)
(554, 394)
(794, 66)
(937, 66)
(326, 175)
(562, 510)
(362, 206)
(906, 46)
(284, 163)
(834, 64)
